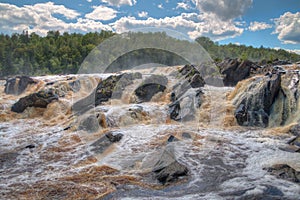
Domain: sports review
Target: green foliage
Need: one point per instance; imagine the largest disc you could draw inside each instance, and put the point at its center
(219, 52)
(56, 53)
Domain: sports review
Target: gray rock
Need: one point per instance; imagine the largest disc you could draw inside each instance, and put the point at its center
(18, 84)
(168, 169)
(40, 99)
(254, 106)
(284, 171)
(106, 141)
(89, 124)
(151, 86)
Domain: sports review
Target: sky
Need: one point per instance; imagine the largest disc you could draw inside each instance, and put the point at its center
(270, 23)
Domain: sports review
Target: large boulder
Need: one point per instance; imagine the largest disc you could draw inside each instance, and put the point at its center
(253, 105)
(18, 84)
(235, 71)
(184, 108)
(167, 169)
(151, 86)
(111, 87)
(40, 99)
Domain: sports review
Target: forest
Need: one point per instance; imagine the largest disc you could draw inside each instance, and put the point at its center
(58, 53)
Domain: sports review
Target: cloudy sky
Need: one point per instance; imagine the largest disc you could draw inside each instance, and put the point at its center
(271, 23)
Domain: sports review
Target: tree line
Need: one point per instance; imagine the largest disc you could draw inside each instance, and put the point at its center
(58, 53)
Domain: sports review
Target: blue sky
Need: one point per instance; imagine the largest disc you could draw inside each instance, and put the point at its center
(271, 23)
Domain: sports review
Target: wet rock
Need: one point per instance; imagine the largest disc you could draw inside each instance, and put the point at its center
(112, 87)
(192, 76)
(8, 160)
(151, 86)
(106, 141)
(295, 130)
(89, 124)
(185, 107)
(31, 146)
(254, 106)
(18, 84)
(235, 71)
(172, 139)
(284, 171)
(40, 99)
(168, 169)
(75, 85)
(186, 135)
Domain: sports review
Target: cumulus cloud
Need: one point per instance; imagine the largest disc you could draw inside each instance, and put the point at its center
(160, 6)
(257, 26)
(102, 13)
(193, 24)
(39, 18)
(119, 2)
(183, 5)
(287, 26)
(143, 14)
(224, 9)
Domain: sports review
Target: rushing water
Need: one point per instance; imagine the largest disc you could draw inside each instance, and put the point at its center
(41, 159)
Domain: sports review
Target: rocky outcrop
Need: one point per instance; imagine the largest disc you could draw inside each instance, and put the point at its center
(185, 107)
(40, 99)
(112, 87)
(235, 70)
(284, 171)
(254, 103)
(186, 96)
(151, 86)
(89, 124)
(106, 141)
(167, 169)
(17, 85)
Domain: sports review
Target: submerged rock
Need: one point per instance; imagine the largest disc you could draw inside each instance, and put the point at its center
(235, 71)
(105, 141)
(89, 124)
(18, 84)
(284, 171)
(254, 104)
(40, 99)
(168, 169)
(151, 86)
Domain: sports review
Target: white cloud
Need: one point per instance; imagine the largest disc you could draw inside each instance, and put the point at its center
(89, 1)
(102, 13)
(257, 26)
(160, 6)
(182, 5)
(287, 26)
(39, 18)
(224, 9)
(192, 24)
(120, 2)
(143, 14)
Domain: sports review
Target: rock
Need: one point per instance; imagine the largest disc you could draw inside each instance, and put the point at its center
(235, 71)
(185, 107)
(18, 84)
(192, 76)
(105, 141)
(40, 99)
(186, 135)
(31, 146)
(167, 169)
(89, 124)
(112, 87)
(295, 130)
(151, 86)
(172, 139)
(75, 85)
(284, 171)
(254, 105)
